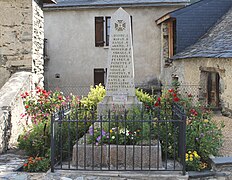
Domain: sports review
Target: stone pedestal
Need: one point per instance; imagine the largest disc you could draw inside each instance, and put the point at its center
(108, 103)
(117, 156)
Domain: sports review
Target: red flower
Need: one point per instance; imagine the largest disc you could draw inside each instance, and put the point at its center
(25, 165)
(157, 103)
(46, 95)
(60, 97)
(44, 91)
(26, 93)
(170, 90)
(26, 106)
(159, 99)
(23, 96)
(174, 94)
(176, 99)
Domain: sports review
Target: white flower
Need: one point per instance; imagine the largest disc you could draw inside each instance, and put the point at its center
(113, 137)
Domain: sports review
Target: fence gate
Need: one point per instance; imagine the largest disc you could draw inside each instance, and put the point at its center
(147, 140)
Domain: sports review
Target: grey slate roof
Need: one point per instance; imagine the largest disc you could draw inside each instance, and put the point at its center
(94, 3)
(216, 43)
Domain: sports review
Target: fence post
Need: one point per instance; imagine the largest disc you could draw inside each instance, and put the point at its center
(52, 143)
(183, 143)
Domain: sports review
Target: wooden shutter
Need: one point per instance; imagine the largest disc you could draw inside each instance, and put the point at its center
(99, 31)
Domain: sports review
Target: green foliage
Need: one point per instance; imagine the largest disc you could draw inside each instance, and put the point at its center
(193, 162)
(37, 164)
(95, 96)
(203, 135)
(36, 140)
(144, 97)
(127, 127)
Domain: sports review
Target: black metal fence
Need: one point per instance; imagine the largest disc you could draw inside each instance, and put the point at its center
(147, 140)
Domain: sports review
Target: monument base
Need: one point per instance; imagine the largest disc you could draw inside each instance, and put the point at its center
(117, 156)
(109, 104)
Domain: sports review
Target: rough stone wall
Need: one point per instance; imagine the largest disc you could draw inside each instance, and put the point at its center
(164, 48)
(11, 107)
(37, 44)
(188, 71)
(21, 39)
(15, 37)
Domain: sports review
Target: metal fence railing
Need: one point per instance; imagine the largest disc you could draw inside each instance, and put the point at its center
(147, 140)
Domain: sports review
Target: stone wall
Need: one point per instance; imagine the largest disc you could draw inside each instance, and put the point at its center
(21, 39)
(37, 44)
(188, 71)
(11, 107)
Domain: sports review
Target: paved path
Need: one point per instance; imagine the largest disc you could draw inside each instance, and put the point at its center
(226, 149)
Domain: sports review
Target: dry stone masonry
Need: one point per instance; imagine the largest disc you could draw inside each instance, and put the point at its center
(21, 39)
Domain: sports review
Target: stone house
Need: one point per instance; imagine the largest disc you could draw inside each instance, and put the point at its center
(205, 59)
(77, 34)
(21, 38)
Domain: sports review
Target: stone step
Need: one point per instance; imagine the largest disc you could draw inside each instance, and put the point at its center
(115, 175)
(221, 163)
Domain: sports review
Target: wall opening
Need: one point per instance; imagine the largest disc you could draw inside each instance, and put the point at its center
(210, 89)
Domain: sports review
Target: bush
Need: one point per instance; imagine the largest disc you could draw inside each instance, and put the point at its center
(202, 134)
(37, 164)
(95, 96)
(36, 140)
(39, 105)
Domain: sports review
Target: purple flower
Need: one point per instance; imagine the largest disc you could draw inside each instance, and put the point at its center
(98, 138)
(96, 144)
(91, 130)
(197, 139)
(103, 133)
(202, 135)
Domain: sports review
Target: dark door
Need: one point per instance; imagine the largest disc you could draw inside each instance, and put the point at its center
(213, 89)
(99, 77)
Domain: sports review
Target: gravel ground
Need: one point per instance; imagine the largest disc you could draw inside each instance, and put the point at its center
(226, 149)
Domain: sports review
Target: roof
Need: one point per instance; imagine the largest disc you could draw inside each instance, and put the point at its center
(195, 20)
(49, 1)
(216, 43)
(123, 3)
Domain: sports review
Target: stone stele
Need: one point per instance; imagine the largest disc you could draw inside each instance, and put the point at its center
(120, 87)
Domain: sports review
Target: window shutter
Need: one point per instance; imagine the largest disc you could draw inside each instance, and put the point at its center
(99, 31)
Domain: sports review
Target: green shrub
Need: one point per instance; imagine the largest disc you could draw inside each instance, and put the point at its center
(37, 164)
(36, 140)
(202, 134)
(95, 96)
(145, 98)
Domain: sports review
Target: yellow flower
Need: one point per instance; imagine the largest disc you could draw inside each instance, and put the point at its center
(191, 159)
(186, 159)
(186, 155)
(111, 131)
(189, 152)
(206, 120)
(191, 156)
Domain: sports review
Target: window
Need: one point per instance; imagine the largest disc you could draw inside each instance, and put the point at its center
(107, 31)
(99, 76)
(102, 31)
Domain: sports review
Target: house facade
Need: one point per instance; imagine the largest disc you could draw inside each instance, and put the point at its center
(78, 37)
(21, 38)
(207, 61)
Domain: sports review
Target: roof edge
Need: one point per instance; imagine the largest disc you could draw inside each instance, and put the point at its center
(57, 7)
(49, 1)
